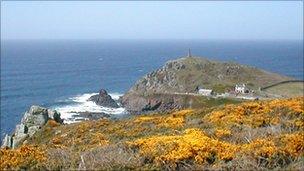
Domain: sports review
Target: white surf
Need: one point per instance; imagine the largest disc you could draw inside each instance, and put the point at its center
(80, 103)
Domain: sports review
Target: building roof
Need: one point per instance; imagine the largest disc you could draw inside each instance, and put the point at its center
(205, 90)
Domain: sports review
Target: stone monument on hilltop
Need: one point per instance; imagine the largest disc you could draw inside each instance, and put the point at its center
(189, 53)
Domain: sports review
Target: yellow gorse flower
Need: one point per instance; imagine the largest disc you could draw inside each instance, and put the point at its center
(258, 114)
(24, 156)
(193, 143)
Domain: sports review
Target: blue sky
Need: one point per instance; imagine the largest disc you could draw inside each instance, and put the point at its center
(152, 20)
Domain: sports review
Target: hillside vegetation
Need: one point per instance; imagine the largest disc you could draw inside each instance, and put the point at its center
(250, 135)
(290, 89)
(185, 75)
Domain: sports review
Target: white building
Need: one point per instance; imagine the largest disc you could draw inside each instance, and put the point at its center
(241, 88)
(205, 92)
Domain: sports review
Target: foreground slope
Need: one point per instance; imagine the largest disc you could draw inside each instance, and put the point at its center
(251, 135)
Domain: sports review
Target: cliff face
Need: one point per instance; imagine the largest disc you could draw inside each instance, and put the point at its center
(32, 121)
(185, 74)
(135, 103)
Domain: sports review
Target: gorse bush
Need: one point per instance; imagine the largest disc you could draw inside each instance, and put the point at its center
(30, 157)
(222, 133)
(259, 114)
(175, 120)
(52, 123)
(254, 135)
(192, 144)
(195, 146)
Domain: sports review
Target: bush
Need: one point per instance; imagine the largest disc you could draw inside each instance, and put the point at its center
(25, 157)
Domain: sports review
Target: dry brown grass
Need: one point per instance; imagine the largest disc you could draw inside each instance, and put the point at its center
(110, 157)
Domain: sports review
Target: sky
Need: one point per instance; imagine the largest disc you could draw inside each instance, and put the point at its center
(152, 20)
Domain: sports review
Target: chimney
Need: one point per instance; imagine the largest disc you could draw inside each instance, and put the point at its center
(189, 53)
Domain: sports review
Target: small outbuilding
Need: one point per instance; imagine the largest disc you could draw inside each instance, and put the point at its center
(205, 92)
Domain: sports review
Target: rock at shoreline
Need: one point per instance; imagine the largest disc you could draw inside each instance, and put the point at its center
(156, 103)
(32, 121)
(7, 141)
(104, 99)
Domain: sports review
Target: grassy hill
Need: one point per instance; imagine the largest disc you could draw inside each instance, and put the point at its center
(289, 89)
(247, 136)
(185, 74)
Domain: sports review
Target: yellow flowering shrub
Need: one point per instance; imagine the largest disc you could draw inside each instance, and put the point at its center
(192, 144)
(83, 142)
(296, 105)
(52, 123)
(185, 112)
(144, 119)
(260, 147)
(174, 120)
(84, 135)
(222, 133)
(293, 144)
(264, 134)
(259, 113)
(28, 157)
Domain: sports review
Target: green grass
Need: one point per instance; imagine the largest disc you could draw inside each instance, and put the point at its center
(220, 88)
(291, 89)
(195, 102)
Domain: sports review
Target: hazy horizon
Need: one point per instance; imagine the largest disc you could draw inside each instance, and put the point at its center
(139, 39)
(152, 20)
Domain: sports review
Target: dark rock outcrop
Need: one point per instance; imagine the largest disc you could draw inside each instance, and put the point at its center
(104, 99)
(137, 104)
(32, 121)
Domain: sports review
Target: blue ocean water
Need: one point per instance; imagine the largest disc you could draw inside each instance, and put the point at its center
(56, 72)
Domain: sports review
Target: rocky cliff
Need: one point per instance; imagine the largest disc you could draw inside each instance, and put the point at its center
(185, 75)
(32, 121)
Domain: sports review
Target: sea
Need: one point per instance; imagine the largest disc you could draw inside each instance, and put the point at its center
(63, 74)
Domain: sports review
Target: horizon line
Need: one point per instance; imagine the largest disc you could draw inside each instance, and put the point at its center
(24, 39)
